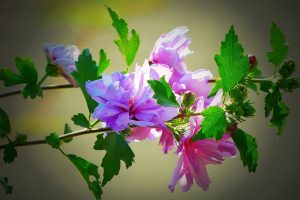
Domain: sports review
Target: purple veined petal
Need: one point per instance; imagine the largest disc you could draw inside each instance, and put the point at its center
(199, 106)
(217, 99)
(122, 120)
(186, 182)
(141, 123)
(157, 71)
(141, 133)
(103, 111)
(200, 75)
(176, 174)
(167, 140)
(168, 113)
(96, 89)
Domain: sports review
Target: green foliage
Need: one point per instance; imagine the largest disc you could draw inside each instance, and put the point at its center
(89, 171)
(4, 124)
(6, 187)
(279, 45)
(163, 92)
(20, 138)
(28, 75)
(104, 62)
(216, 88)
(53, 140)
(86, 70)
(247, 147)
(188, 99)
(128, 47)
(10, 153)
(52, 70)
(232, 64)
(213, 125)
(81, 120)
(67, 130)
(117, 149)
(287, 68)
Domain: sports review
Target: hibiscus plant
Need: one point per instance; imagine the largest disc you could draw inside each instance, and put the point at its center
(191, 113)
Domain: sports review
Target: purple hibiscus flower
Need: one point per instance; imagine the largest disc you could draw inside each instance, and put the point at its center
(126, 99)
(63, 58)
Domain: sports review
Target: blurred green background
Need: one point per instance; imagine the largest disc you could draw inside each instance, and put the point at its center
(42, 173)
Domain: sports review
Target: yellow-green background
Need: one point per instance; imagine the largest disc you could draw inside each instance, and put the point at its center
(41, 173)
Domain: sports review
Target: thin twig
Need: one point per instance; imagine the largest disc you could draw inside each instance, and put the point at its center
(45, 87)
(69, 135)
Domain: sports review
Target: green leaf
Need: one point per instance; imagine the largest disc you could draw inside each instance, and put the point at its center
(10, 78)
(53, 140)
(20, 138)
(10, 153)
(86, 70)
(32, 91)
(104, 62)
(4, 124)
(128, 47)
(279, 45)
(89, 171)
(214, 124)
(287, 69)
(81, 120)
(67, 131)
(117, 149)
(27, 70)
(163, 92)
(52, 70)
(280, 112)
(6, 187)
(232, 64)
(216, 88)
(247, 147)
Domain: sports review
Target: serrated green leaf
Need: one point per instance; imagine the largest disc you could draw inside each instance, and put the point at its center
(214, 124)
(32, 91)
(163, 92)
(247, 147)
(104, 62)
(86, 70)
(280, 112)
(20, 138)
(117, 149)
(81, 120)
(89, 171)
(128, 47)
(279, 45)
(4, 124)
(10, 78)
(67, 130)
(53, 140)
(10, 153)
(216, 88)
(232, 64)
(6, 187)
(27, 70)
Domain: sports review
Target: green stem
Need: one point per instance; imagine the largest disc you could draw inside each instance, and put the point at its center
(43, 79)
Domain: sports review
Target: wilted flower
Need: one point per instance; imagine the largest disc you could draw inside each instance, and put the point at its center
(63, 58)
(195, 155)
(126, 99)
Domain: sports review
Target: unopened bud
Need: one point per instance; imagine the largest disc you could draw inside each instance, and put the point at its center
(188, 99)
(252, 60)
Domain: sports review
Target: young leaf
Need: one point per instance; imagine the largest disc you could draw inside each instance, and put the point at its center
(89, 171)
(27, 70)
(10, 153)
(104, 62)
(232, 64)
(163, 92)
(53, 140)
(280, 112)
(279, 45)
(247, 147)
(86, 70)
(4, 124)
(128, 47)
(216, 88)
(10, 78)
(32, 91)
(214, 124)
(67, 131)
(81, 120)
(6, 187)
(117, 149)
(20, 138)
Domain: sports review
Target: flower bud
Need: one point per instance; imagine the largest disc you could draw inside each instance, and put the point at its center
(252, 60)
(232, 128)
(239, 93)
(188, 99)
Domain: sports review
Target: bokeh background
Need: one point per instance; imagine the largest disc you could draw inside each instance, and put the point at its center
(40, 172)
